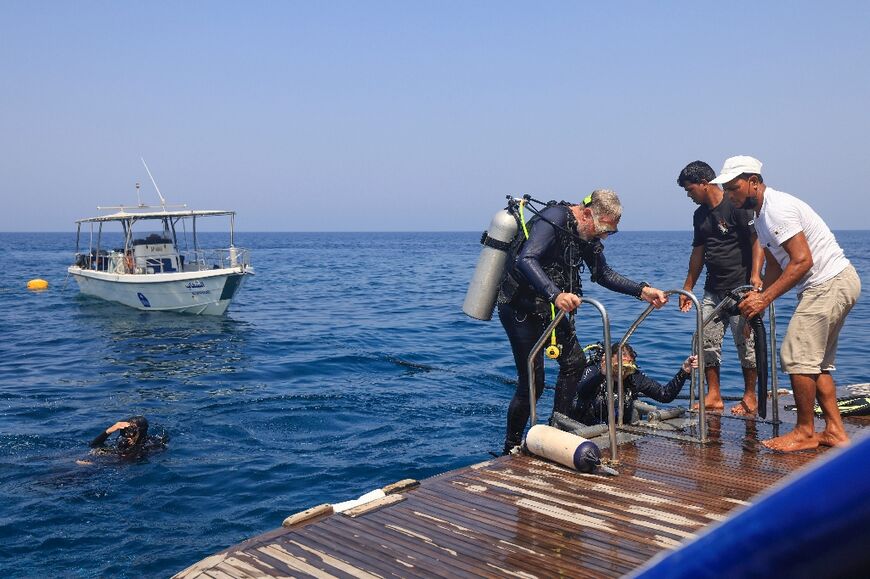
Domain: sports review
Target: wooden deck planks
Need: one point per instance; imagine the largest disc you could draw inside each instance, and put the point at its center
(495, 530)
(521, 516)
(492, 535)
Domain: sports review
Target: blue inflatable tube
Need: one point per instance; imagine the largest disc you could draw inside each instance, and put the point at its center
(816, 523)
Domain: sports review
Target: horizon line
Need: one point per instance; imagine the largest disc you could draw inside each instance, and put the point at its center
(475, 231)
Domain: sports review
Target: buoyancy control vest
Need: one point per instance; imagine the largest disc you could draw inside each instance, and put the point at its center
(563, 266)
(496, 278)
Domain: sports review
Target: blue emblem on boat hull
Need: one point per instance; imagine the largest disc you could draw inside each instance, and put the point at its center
(144, 300)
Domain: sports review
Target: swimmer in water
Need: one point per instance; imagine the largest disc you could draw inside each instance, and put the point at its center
(133, 439)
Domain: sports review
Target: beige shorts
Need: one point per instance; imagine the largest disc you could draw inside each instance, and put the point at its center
(810, 343)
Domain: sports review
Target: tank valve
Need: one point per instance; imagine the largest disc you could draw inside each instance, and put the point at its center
(552, 352)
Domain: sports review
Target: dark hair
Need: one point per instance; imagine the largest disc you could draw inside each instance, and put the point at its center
(614, 348)
(748, 175)
(133, 436)
(695, 172)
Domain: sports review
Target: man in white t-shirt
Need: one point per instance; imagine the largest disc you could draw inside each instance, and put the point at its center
(802, 253)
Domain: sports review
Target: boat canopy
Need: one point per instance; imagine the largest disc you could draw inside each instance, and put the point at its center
(125, 215)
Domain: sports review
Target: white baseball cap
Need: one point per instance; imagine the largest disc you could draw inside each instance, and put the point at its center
(736, 166)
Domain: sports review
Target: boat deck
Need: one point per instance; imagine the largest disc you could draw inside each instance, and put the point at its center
(522, 516)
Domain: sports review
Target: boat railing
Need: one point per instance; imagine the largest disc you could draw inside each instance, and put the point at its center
(102, 260)
(696, 375)
(205, 259)
(605, 322)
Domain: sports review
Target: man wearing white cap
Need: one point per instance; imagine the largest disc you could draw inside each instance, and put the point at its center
(801, 252)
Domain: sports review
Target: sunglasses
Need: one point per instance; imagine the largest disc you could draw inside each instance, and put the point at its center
(601, 229)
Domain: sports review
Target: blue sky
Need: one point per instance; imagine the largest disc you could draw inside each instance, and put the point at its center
(422, 116)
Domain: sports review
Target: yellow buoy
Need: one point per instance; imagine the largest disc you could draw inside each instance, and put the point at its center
(37, 284)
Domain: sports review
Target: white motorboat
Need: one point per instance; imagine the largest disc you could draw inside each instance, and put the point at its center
(152, 261)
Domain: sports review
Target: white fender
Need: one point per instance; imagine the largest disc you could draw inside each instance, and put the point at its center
(563, 447)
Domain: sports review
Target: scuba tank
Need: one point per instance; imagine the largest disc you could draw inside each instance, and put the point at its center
(483, 289)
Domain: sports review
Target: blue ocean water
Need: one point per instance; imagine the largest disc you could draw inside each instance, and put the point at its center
(344, 364)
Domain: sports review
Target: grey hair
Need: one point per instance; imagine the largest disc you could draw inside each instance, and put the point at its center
(605, 203)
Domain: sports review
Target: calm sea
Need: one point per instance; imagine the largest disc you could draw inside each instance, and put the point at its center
(345, 364)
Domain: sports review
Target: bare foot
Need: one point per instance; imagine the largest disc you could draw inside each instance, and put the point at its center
(714, 404)
(827, 438)
(794, 440)
(745, 408)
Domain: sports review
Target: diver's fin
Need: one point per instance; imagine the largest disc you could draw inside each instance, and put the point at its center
(853, 406)
(849, 406)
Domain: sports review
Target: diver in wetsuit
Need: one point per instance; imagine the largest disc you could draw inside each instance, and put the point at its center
(544, 275)
(588, 397)
(133, 439)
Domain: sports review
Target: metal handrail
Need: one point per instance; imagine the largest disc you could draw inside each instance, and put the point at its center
(699, 350)
(707, 320)
(536, 349)
(201, 259)
(774, 382)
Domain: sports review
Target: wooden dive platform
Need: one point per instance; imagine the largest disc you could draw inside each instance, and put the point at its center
(522, 516)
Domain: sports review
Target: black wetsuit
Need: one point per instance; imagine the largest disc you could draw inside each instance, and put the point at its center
(100, 440)
(150, 444)
(587, 402)
(548, 264)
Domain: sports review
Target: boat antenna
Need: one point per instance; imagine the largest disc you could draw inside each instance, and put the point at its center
(162, 200)
(138, 197)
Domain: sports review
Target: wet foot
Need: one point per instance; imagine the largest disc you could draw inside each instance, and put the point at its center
(826, 438)
(745, 408)
(791, 442)
(713, 404)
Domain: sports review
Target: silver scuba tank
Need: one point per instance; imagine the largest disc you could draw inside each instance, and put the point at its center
(483, 289)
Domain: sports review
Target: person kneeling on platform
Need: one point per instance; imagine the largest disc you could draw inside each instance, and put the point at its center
(588, 403)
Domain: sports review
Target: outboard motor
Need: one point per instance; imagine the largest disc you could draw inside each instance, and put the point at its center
(483, 289)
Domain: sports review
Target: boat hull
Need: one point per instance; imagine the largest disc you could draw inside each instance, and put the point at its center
(200, 293)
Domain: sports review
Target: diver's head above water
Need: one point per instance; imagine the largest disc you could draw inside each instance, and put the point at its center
(134, 434)
(629, 359)
(133, 440)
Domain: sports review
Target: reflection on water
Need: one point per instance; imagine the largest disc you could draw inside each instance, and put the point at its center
(160, 345)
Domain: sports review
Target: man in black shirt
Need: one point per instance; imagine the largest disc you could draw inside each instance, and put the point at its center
(724, 240)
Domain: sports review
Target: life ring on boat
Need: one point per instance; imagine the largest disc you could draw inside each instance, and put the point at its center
(129, 262)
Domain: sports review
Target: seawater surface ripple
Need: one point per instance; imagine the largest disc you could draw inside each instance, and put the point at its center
(344, 364)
